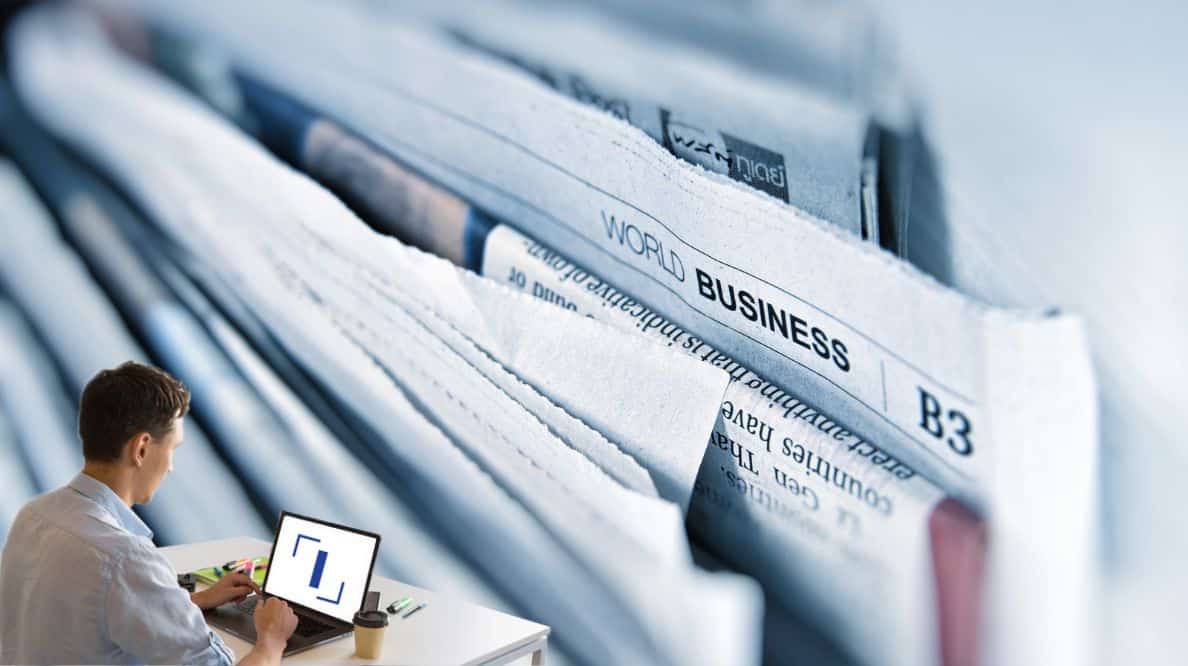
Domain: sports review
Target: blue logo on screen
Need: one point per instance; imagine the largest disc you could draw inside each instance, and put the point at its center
(315, 577)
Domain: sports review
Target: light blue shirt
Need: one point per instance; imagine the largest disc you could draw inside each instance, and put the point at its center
(82, 583)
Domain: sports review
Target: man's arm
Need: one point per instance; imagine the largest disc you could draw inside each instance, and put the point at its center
(263, 655)
(234, 586)
(149, 616)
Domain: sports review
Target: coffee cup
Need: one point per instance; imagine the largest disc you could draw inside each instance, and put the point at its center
(369, 633)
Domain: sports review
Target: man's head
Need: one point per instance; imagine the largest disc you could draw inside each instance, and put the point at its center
(130, 419)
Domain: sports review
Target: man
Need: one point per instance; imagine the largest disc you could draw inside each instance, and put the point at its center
(80, 579)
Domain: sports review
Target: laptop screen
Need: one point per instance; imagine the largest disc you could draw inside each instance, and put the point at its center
(321, 566)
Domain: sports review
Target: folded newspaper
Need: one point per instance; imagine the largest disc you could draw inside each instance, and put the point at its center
(822, 416)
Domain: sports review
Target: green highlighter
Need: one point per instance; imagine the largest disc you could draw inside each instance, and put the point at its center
(399, 605)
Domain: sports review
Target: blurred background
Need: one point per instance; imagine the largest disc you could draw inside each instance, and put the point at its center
(1060, 132)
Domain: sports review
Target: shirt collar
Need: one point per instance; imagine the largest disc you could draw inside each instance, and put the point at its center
(105, 497)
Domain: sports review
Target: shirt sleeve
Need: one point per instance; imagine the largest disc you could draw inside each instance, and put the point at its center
(148, 615)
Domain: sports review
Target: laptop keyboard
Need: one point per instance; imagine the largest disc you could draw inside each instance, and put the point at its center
(309, 627)
(306, 626)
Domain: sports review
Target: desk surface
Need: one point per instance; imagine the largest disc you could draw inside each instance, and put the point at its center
(447, 631)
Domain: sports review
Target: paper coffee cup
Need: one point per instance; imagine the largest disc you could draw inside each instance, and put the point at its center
(369, 633)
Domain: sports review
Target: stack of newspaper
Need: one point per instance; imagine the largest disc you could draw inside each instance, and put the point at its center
(589, 322)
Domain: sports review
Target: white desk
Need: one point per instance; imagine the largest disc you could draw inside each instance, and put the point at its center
(447, 631)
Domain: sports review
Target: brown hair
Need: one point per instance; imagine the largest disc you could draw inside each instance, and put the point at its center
(119, 403)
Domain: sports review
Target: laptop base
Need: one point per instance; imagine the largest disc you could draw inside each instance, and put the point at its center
(238, 622)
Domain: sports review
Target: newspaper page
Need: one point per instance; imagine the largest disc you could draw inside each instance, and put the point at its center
(396, 200)
(780, 479)
(780, 138)
(995, 405)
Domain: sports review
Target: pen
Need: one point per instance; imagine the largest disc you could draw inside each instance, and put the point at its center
(406, 615)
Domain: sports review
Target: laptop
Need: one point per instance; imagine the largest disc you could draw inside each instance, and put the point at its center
(322, 570)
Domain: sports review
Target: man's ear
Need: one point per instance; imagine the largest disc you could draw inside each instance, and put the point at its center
(140, 444)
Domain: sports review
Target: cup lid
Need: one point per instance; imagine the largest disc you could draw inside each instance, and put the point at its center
(371, 619)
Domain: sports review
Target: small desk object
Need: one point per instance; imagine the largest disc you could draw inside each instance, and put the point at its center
(447, 631)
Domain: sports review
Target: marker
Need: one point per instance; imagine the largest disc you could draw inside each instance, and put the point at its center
(406, 615)
(398, 605)
(235, 564)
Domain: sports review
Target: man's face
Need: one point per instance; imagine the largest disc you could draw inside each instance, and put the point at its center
(158, 461)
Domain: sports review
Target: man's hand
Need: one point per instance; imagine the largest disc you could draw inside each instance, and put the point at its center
(275, 622)
(232, 587)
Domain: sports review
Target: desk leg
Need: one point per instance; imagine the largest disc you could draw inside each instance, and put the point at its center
(538, 657)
